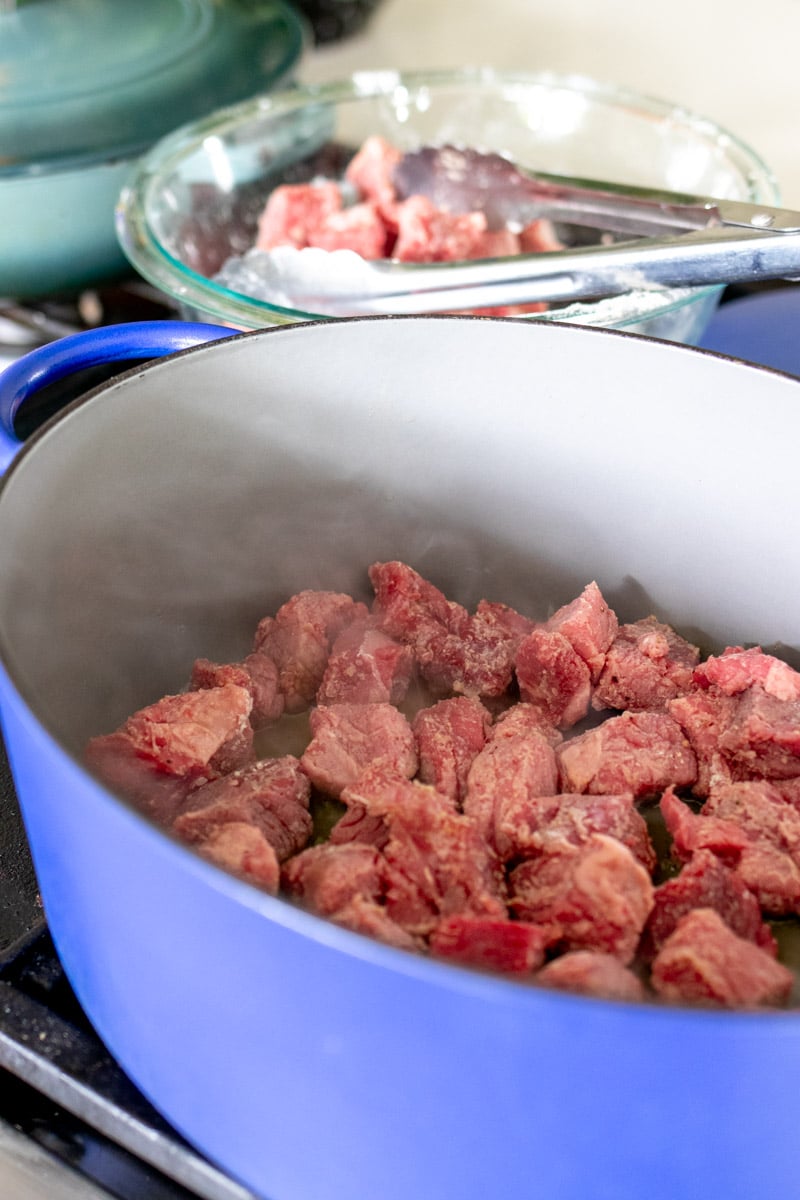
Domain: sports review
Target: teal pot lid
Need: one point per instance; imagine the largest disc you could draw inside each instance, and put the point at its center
(96, 79)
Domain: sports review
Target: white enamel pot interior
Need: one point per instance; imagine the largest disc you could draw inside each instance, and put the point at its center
(160, 517)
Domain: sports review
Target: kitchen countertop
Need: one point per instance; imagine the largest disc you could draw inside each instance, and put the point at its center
(735, 63)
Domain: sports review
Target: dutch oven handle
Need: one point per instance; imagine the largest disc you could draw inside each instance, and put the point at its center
(110, 343)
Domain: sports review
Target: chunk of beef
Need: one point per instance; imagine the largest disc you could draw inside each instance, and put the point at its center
(359, 228)
(737, 670)
(592, 973)
(327, 877)
(241, 848)
(257, 673)
(429, 234)
(272, 794)
(348, 738)
(372, 168)
(522, 719)
(527, 826)
(706, 882)
(366, 666)
(595, 896)
(704, 961)
(362, 915)
(647, 665)
(513, 626)
(188, 739)
(763, 736)
(492, 943)
(641, 753)
(553, 676)
(692, 831)
(299, 637)
(589, 625)
(508, 768)
(449, 736)
(702, 715)
(437, 862)
(293, 211)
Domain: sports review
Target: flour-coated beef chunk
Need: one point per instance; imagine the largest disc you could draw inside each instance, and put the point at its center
(527, 826)
(521, 719)
(358, 824)
(763, 735)
(692, 831)
(366, 666)
(114, 759)
(508, 768)
(595, 896)
(493, 943)
(512, 624)
(641, 753)
(553, 676)
(194, 736)
(256, 672)
(736, 670)
(426, 233)
(438, 863)
(242, 849)
(407, 606)
(293, 211)
(299, 637)
(362, 915)
(592, 973)
(373, 798)
(704, 961)
(348, 738)
(327, 877)
(272, 794)
(647, 665)
(589, 625)
(702, 715)
(449, 736)
(371, 170)
(359, 228)
(706, 882)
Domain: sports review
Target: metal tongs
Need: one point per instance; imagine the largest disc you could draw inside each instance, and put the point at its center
(671, 240)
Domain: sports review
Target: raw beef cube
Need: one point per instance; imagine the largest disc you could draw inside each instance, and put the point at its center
(293, 211)
(594, 897)
(692, 832)
(539, 236)
(362, 915)
(272, 794)
(506, 769)
(257, 673)
(449, 736)
(706, 882)
(589, 625)
(773, 876)
(428, 234)
(497, 243)
(437, 863)
(195, 735)
(646, 666)
(510, 623)
(522, 719)
(763, 735)
(527, 826)
(327, 877)
(704, 961)
(358, 228)
(702, 716)
(114, 759)
(372, 168)
(366, 666)
(493, 943)
(759, 809)
(347, 738)
(408, 606)
(358, 824)
(241, 848)
(553, 676)
(299, 637)
(592, 973)
(641, 753)
(736, 670)
(375, 794)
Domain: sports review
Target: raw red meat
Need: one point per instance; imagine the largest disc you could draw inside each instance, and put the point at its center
(372, 168)
(702, 715)
(257, 673)
(692, 831)
(493, 943)
(522, 719)
(527, 826)
(449, 736)
(763, 735)
(366, 666)
(553, 676)
(589, 625)
(647, 665)
(114, 759)
(358, 228)
(428, 234)
(241, 848)
(592, 973)
(327, 877)
(706, 882)
(299, 637)
(293, 211)
(595, 896)
(641, 753)
(736, 670)
(272, 794)
(347, 738)
(704, 961)
(508, 768)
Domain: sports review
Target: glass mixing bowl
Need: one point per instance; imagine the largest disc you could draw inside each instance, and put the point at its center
(194, 200)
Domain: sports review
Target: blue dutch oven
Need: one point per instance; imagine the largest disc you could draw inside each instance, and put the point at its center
(161, 515)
